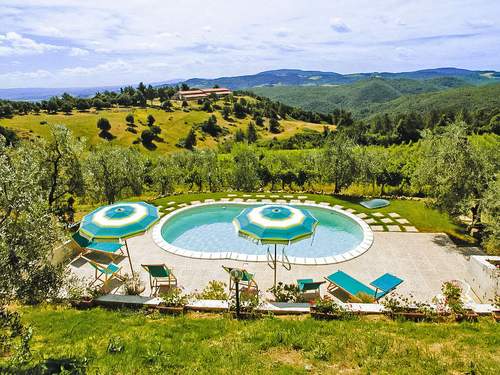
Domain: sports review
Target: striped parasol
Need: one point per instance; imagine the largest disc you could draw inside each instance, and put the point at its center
(118, 221)
(275, 224)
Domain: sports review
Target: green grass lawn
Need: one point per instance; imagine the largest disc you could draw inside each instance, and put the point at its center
(174, 125)
(213, 344)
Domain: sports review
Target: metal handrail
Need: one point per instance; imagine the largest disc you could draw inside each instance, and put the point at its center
(285, 262)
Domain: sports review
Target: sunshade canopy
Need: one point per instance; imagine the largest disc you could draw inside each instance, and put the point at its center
(119, 221)
(275, 224)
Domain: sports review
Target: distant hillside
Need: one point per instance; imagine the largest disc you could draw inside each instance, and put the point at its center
(38, 93)
(358, 97)
(485, 98)
(296, 77)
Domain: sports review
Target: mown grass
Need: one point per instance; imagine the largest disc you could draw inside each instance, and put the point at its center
(219, 345)
(174, 125)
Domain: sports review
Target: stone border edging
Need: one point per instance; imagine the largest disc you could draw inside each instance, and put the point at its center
(357, 251)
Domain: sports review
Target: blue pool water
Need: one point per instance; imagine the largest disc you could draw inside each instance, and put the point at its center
(210, 229)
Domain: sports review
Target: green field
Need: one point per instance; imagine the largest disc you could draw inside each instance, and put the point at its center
(174, 125)
(213, 344)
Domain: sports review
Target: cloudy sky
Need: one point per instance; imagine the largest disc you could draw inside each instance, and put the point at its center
(63, 43)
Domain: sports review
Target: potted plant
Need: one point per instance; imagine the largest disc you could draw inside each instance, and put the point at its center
(133, 284)
(173, 301)
(327, 308)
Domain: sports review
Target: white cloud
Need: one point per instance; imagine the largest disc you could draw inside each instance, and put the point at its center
(339, 26)
(110, 66)
(282, 32)
(479, 24)
(17, 75)
(13, 43)
(75, 51)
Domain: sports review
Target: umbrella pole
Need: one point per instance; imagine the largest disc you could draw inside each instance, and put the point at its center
(275, 255)
(129, 260)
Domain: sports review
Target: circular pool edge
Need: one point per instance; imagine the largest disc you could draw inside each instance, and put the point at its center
(362, 247)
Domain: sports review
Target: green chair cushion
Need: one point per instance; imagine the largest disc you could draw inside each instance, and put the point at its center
(158, 270)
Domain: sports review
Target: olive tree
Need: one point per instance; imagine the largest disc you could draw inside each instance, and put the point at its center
(338, 161)
(454, 172)
(167, 175)
(245, 168)
(28, 229)
(61, 172)
(113, 170)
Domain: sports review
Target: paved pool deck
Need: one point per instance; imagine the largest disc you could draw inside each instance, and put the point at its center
(423, 260)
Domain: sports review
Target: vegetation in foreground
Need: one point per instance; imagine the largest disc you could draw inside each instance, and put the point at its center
(103, 341)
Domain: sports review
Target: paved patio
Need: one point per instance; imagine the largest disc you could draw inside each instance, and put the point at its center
(423, 260)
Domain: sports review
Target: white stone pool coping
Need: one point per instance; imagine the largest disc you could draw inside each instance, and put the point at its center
(234, 255)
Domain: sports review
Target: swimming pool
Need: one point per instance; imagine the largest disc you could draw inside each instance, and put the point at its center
(206, 231)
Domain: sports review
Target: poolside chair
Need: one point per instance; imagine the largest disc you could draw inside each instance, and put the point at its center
(159, 275)
(105, 272)
(247, 282)
(309, 288)
(110, 249)
(383, 285)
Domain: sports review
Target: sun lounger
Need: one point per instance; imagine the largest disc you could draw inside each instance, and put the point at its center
(383, 285)
(159, 275)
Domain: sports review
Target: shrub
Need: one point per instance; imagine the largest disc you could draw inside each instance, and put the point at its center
(327, 305)
(147, 137)
(130, 119)
(214, 290)
(104, 124)
(174, 297)
(249, 302)
(453, 297)
(286, 293)
(133, 284)
(151, 120)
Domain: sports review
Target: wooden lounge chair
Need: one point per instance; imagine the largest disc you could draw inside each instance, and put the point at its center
(105, 272)
(159, 275)
(247, 282)
(383, 285)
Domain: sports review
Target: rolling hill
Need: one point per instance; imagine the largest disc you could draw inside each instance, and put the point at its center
(361, 98)
(296, 77)
(174, 125)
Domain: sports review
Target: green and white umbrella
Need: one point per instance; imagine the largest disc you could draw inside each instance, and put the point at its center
(275, 224)
(119, 221)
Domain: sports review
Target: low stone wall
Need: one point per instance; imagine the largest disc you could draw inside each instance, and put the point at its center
(484, 277)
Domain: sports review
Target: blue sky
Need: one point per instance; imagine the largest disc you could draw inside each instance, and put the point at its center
(62, 43)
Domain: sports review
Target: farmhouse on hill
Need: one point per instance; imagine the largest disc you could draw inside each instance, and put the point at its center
(196, 94)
